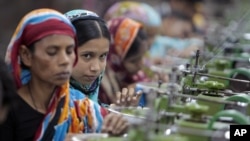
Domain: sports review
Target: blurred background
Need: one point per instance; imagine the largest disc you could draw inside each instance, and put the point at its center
(205, 13)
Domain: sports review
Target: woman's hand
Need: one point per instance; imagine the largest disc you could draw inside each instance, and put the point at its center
(127, 97)
(114, 124)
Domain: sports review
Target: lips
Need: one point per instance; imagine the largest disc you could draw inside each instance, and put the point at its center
(63, 75)
(90, 78)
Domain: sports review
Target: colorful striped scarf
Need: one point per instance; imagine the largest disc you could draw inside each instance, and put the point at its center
(68, 110)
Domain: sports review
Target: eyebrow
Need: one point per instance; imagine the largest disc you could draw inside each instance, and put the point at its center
(106, 52)
(88, 51)
(58, 46)
(72, 45)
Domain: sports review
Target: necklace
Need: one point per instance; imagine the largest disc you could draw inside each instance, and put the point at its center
(32, 98)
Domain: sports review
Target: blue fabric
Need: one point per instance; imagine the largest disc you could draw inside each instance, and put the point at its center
(142, 101)
(77, 95)
(25, 76)
(93, 96)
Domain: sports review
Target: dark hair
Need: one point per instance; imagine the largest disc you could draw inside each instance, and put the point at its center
(31, 49)
(7, 86)
(88, 29)
(141, 36)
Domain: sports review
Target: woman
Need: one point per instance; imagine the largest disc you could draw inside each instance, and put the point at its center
(93, 46)
(127, 49)
(41, 55)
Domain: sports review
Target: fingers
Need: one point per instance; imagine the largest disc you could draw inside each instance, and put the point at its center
(136, 98)
(106, 128)
(118, 98)
(112, 106)
(127, 97)
(121, 97)
(114, 124)
(121, 126)
(160, 76)
(138, 94)
(131, 92)
(116, 119)
(124, 95)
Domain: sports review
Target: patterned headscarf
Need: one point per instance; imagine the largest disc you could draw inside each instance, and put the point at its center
(34, 26)
(91, 90)
(123, 32)
(138, 11)
(67, 111)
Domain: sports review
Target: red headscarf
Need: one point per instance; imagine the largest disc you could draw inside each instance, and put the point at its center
(35, 26)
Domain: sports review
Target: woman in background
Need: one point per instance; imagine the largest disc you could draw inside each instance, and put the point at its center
(125, 59)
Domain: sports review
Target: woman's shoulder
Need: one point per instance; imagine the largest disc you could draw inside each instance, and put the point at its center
(21, 107)
(76, 94)
(21, 112)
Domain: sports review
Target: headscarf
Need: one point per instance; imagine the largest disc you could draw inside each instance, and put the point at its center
(123, 32)
(66, 112)
(34, 26)
(91, 90)
(138, 11)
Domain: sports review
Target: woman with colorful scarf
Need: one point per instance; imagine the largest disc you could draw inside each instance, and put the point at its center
(41, 56)
(93, 46)
(124, 62)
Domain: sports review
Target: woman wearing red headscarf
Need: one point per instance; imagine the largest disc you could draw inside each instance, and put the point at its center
(125, 58)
